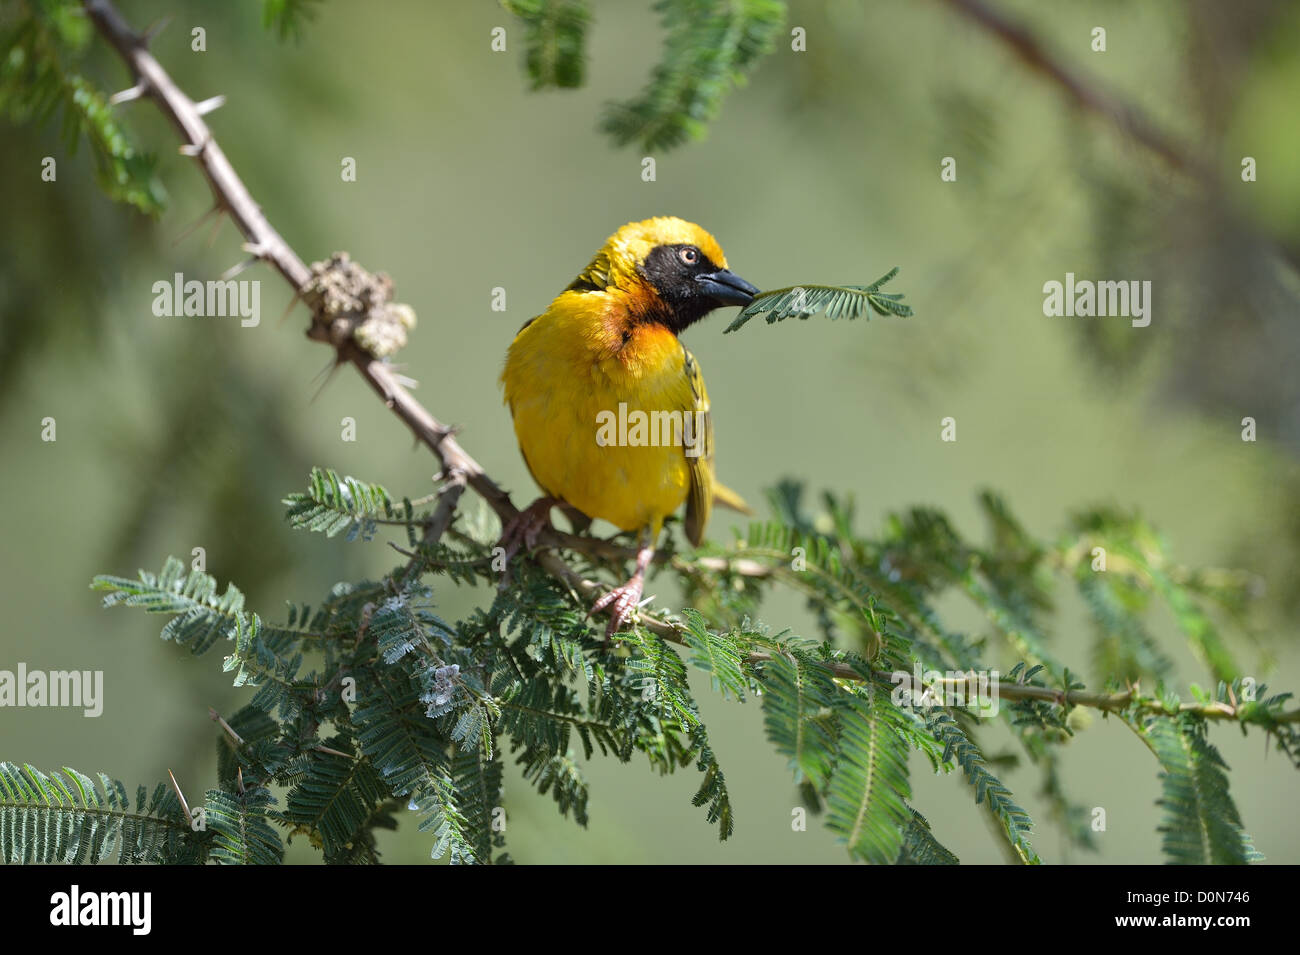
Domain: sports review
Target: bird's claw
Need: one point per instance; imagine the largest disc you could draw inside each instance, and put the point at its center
(621, 601)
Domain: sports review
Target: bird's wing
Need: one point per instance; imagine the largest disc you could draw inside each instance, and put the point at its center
(699, 501)
(705, 490)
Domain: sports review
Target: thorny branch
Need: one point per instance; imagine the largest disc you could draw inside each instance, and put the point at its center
(1080, 88)
(1086, 93)
(263, 242)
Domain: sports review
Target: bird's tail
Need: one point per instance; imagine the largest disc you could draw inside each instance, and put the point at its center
(728, 498)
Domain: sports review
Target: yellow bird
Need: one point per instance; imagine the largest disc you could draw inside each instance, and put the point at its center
(609, 406)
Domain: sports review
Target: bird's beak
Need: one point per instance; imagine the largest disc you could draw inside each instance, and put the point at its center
(726, 288)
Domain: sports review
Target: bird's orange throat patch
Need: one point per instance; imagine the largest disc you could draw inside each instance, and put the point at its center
(647, 344)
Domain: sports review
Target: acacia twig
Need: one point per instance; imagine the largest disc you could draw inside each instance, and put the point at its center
(1082, 89)
(230, 194)
(267, 244)
(461, 470)
(1085, 92)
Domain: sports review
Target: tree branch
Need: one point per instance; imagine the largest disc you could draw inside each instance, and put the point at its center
(267, 244)
(264, 242)
(1086, 93)
(1081, 88)
(230, 192)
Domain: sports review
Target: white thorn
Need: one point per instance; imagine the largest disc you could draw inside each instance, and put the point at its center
(190, 150)
(209, 105)
(126, 95)
(238, 267)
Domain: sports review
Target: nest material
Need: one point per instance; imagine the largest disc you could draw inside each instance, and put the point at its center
(354, 304)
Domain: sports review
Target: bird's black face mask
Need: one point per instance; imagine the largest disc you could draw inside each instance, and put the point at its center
(690, 285)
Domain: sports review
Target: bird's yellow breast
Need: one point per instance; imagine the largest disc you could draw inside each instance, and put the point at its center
(575, 379)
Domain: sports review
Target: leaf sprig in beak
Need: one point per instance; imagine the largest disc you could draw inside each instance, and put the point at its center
(837, 301)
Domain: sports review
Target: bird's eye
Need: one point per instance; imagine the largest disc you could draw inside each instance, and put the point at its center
(690, 255)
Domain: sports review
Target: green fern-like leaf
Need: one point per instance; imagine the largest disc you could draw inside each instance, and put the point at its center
(1125, 648)
(1202, 636)
(436, 801)
(333, 504)
(716, 655)
(37, 80)
(241, 826)
(670, 731)
(69, 818)
(335, 799)
(288, 18)
(562, 777)
(554, 40)
(396, 736)
(1133, 544)
(267, 659)
(1012, 819)
(868, 788)
(920, 847)
(201, 617)
(364, 847)
(1201, 824)
(659, 673)
(400, 742)
(837, 301)
(709, 49)
(258, 753)
(401, 626)
(476, 776)
(713, 787)
(542, 718)
(799, 718)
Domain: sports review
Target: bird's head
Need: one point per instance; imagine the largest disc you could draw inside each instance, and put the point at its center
(669, 271)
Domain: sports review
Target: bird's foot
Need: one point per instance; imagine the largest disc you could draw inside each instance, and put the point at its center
(621, 601)
(522, 531)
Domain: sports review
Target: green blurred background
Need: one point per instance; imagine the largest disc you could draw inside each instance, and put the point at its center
(177, 433)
